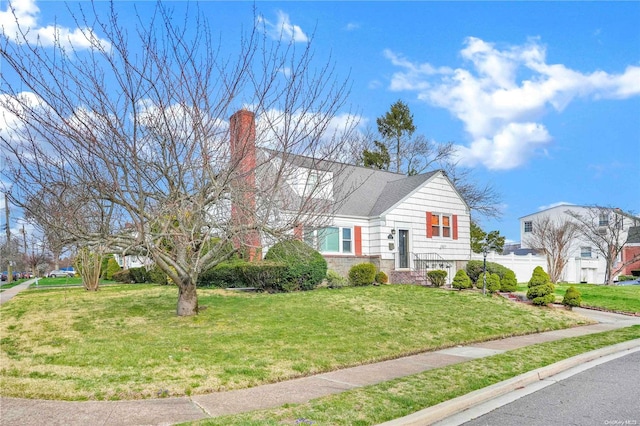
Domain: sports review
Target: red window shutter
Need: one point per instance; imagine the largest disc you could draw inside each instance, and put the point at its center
(429, 229)
(455, 226)
(297, 232)
(357, 231)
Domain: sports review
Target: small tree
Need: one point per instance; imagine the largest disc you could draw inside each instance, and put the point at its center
(461, 280)
(509, 283)
(553, 237)
(572, 297)
(541, 290)
(437, 277)
(88, 264)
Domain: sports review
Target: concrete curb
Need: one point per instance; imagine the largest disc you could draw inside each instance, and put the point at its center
(448, 408)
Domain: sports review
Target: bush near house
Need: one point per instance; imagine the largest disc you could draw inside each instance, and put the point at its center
(335, 280)
(362, 274)
(509, 283)
(382, 278)
(122, 277)
(475, 267)
(541, 290)
(461, 280)
(109, 267)
(306, 268)
(572, 298)
(158, 276)
(223, 275)
(437, 278)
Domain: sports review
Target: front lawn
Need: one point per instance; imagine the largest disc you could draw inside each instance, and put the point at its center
(125, 342)
(613, 298)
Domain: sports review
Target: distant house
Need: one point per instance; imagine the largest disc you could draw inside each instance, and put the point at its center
(586, 264)
(402, 224)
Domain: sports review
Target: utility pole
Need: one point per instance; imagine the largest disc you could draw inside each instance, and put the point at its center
(6, 207)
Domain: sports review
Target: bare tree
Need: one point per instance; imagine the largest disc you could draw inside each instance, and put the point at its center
(36, 257)
(483, 199)
(132, 137)
(553, 237)
(608, 230)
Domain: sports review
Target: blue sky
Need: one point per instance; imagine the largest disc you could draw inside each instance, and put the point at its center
(542, 98)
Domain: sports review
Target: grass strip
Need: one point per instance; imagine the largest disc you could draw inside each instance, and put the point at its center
(397, 398)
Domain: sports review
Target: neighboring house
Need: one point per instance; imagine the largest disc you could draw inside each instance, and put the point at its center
(402, 224)
(630, 251)
(585, 263)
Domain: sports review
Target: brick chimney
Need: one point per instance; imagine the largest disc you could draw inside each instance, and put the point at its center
(242, 127)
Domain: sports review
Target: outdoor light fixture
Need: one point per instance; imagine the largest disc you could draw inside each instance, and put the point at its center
(390, 237)
(485, 252)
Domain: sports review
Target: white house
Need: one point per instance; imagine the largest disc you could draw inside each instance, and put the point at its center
(585, 263)
(402, 224)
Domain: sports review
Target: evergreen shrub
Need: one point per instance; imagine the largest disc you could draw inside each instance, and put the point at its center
(437, 277)
(508, 283)
(335, 280)
(541, 290)
(475, 267)
(306, 266)
(381, 278)
(461, 280)
(362, 274)
(572, 298)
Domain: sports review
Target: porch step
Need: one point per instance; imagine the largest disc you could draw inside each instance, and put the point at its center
(407, 277)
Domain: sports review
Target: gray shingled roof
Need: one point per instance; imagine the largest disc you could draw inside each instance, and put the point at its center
(634, 235)
(361, 191)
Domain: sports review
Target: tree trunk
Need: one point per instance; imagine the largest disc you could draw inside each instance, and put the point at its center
(187, 299)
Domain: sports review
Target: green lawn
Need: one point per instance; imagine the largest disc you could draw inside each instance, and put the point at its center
(613, 298)
(125, 342)
(385, 401)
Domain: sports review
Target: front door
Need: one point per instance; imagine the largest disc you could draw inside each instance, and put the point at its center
(403, 248)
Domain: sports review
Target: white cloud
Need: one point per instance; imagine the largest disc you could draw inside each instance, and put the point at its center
(22, 16)
(552, 205)
(283, 29)
(352, 26)
(502, 94)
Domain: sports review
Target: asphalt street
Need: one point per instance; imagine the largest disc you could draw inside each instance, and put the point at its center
(605, 395)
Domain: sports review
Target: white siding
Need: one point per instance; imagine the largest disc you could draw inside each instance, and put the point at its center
(436, 196)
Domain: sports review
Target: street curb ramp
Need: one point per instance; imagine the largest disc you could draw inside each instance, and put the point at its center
(454, 406)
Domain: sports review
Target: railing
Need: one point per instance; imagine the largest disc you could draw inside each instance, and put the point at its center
(423, 262)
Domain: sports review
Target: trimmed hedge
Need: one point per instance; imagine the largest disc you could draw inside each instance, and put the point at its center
(223, 275)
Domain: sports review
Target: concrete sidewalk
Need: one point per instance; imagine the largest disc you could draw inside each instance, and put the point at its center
(169, 411)
(8, 294)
